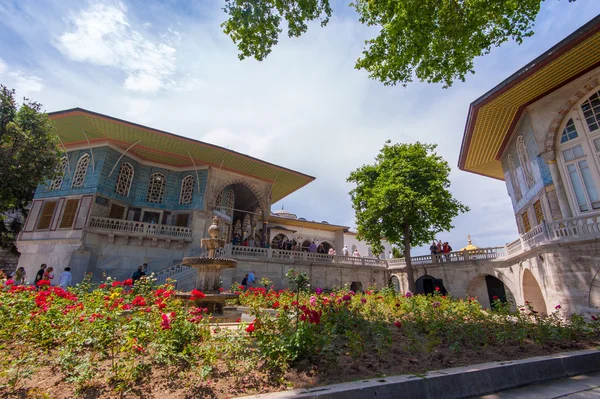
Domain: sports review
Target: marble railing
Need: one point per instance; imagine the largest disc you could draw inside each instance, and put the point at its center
(238, 251)
(456, 256)
(582, 227)
(139, 228)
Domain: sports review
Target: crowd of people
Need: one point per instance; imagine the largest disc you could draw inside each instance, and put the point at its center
(440, 251)
(19, 277)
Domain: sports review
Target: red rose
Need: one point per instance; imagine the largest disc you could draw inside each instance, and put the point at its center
(398, 324)
(128, 282)
(437, 288)
(250, 328)
(196, 294)
(495, 297)
(42, 283)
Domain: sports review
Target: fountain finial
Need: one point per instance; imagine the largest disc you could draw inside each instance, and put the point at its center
(214, 230)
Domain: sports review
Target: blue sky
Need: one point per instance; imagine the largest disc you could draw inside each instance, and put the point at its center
(167, 64)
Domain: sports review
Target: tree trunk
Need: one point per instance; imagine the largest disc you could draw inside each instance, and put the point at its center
(409, 271)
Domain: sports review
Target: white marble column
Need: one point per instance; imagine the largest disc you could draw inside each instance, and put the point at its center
(563, 202)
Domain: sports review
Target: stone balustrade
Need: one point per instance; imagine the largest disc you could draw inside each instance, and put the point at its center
(132, 228)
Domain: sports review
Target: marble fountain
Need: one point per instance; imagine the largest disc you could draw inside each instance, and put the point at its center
(209, 275)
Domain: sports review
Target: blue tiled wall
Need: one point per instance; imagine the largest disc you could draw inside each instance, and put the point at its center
(98, 181)
(540, 169)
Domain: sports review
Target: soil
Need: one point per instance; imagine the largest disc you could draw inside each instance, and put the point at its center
(49, 383)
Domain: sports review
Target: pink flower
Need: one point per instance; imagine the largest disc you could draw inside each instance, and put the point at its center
(437, 288)
(408, 294)
(557, 307)
(436, 304)
(9, 282)
(313, 300)
(166, 322)
(363, 300)
(318, 291)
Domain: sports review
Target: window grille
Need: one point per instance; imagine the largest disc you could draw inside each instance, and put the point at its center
(116, 211)
(156, 188)
(513, 178)
(526, 224)
(46, 215)
(182, 220)
(591, 111)
(230, 202)
(219, 201)
(60, 170)
(187, 190)
(569, 132)
(539, 214)
(81, 171)
(69, 214)
(525, 164)
(124, 180)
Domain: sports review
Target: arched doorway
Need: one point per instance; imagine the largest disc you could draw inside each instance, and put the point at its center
(427, 284)
(305, 245)
(356, 286)
(240, 203)
(326, 246)
(486, 288)
(394, 283)
(532, 293)
(277, 239)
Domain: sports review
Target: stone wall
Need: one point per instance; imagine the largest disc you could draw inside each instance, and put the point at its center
(8, 261)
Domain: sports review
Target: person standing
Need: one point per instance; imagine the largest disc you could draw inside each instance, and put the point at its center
(245, 281)
(40, 274)
(312, 248)
(345, 251)
(64, 280)
(433, 250)
(251, 279)
(145, 269)
(391, 255)
(331, 251)
(356, 254)
(138, 274)
(49, 274)
(19, 276)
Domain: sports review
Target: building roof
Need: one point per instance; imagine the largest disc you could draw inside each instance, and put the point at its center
(170, 149)
(304, 223)
(470, 246)
(493, 116)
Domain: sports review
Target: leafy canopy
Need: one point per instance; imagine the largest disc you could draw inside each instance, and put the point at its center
(29, 155)
(407, 186)
(434, 40)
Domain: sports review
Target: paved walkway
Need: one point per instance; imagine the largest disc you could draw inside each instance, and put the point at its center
(578, 387)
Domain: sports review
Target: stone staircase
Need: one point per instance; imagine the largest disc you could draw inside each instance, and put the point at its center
(184, 276)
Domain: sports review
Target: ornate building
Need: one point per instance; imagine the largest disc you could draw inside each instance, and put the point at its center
(127, 194)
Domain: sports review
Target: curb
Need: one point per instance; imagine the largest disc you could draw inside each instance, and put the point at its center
(457, 382)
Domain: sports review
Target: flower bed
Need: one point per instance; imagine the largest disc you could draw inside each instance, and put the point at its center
(119, 337)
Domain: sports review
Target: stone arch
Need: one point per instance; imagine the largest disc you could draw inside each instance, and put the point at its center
(532, 293)
(485, 287)
(259, 196)
(279, 237)
(305, 244)
(326, 244)
(394, 283)
(427, 284)
(563, 111)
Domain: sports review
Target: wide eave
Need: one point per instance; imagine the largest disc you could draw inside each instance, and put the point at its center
(169, 149)
(494, 115)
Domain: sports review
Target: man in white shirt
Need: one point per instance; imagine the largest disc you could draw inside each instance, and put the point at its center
(391, 255)
(64, 280)
(345, 251)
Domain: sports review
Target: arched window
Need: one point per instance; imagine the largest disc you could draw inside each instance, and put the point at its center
(124, 179)
(591, 111)
(156, 188)
(525, 164)
(81, 171)
(569, 132)
(230, 202)
(513, 178)
(60, 174)
(187, 190)
(579, 141)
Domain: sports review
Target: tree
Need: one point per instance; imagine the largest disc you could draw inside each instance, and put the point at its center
(404, 197)
(435, 40)
(29, 155)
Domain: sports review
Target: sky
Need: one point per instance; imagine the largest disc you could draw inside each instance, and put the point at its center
(168, 65)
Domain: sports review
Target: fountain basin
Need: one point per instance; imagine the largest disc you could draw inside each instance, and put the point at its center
(201, 263)
(215, 303)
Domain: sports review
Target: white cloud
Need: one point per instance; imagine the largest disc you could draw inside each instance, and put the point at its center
(304, 108)
(22, 82)
(102, 35)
